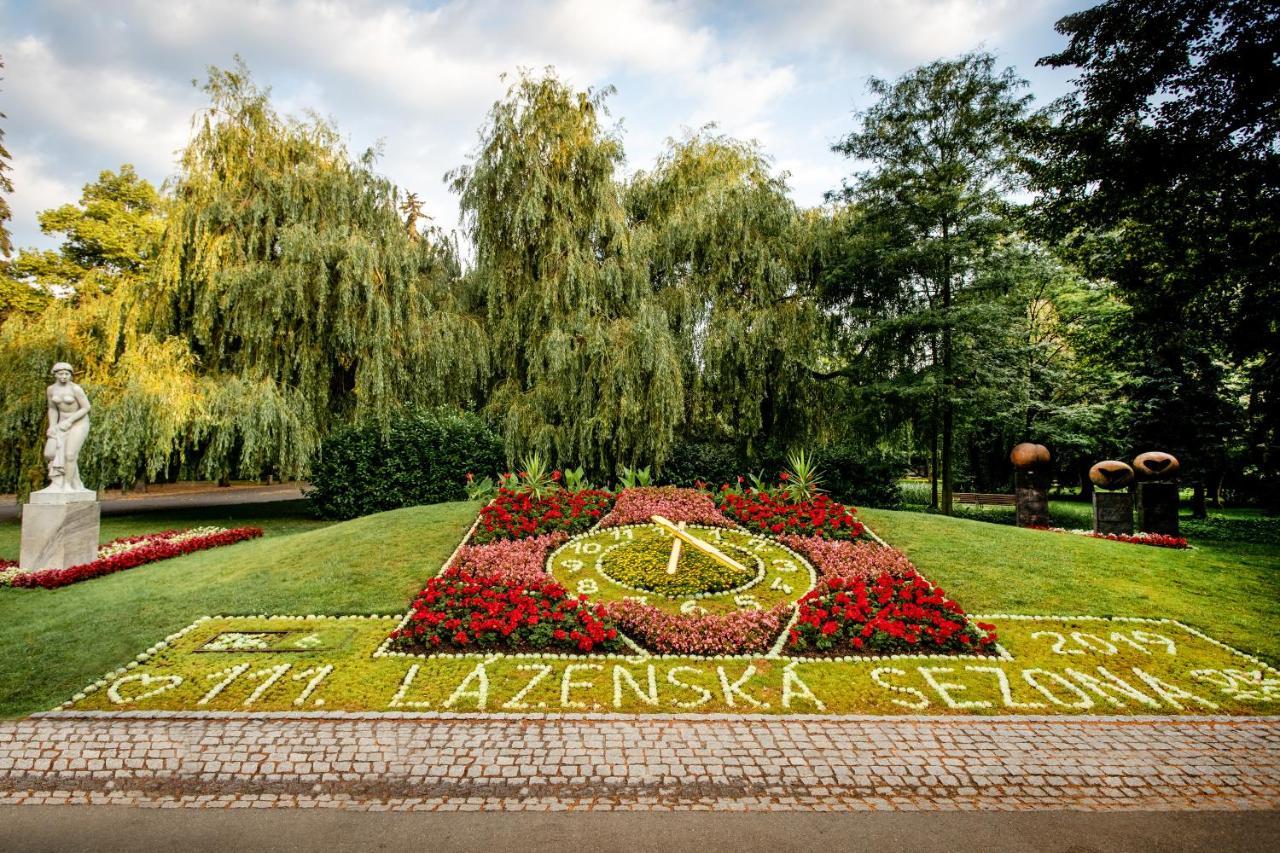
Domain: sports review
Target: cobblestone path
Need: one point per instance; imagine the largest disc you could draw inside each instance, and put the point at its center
(467, 762)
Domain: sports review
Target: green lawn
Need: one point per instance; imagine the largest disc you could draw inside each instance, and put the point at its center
(55, 641)
(1230, 590)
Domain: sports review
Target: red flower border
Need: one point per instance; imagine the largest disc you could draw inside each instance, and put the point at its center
(161, 549)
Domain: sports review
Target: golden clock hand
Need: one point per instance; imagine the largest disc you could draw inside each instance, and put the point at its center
(705, 547)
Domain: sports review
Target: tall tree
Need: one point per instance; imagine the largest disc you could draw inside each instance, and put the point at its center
(1163, 173)
(287, 269)
(945, 145)
(109, 238)
(724, 247)
(586, 368)
(6, 186)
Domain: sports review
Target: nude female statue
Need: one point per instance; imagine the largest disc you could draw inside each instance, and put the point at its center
(68, 428)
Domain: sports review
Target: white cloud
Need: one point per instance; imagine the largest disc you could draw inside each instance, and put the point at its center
(91, 85)
(895, 31)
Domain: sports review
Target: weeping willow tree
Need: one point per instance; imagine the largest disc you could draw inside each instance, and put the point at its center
(725, 250)
(286, 269)
(284, 295)
(587, 369)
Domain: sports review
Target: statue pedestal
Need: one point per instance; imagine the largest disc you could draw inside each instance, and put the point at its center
(1112, 512)
(1032, 497)
(1158, 507)
(59, 530)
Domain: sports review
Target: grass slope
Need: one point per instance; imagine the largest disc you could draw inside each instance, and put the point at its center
(52, 642)
(1229, 589)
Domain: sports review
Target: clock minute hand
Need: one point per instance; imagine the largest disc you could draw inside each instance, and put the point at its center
(705, 547)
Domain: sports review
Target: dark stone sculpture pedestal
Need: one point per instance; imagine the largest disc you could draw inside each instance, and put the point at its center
(1031, 490)
(1112, 512)
(1158, 507)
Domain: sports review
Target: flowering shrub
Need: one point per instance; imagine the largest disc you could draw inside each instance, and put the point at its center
(130, 551)
(765, 513)
(512, 560)
(738, 632)
(519, 515)
(889, 614)
(463, 611)
(840, 558)
(638, 505)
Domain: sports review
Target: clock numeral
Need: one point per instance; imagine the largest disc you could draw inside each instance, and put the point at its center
(622, 533)
(587, 586)
(786, 565)
(746, 602)
(586, 547)
(780, 586)
(691, 607)
(573, 565)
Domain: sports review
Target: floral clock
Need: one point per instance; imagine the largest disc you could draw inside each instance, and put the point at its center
(683, 569)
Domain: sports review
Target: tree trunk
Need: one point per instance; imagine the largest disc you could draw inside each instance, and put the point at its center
(933, 456)
(948, 421)
(1198, 509)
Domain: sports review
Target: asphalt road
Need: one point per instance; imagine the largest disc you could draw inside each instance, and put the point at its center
(104, 829)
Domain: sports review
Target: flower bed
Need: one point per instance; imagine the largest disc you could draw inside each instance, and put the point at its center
(462, 610)
(639, 505)
(128, 552)
(764, 513)
(889, 614)
(1156, 540)
(840, 558)
(741, 632)
(643, 566)
(519, 515)
(512, 560)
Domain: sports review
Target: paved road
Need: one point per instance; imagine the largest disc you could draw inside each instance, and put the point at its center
(107, 829)
(186, 500)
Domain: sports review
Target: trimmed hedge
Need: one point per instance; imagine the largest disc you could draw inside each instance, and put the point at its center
(423, 459)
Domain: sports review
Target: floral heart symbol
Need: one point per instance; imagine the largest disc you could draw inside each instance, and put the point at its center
(166, 682)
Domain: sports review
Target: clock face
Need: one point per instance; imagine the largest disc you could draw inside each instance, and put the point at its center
(636, 562)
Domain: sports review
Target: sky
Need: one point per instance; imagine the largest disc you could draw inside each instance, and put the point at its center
(92, 84)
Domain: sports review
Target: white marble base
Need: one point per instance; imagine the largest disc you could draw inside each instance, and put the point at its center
(57, 533)
(51, 496)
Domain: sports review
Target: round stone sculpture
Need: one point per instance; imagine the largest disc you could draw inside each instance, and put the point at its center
(1111, 474)
(1156, 465)
(1028, 456)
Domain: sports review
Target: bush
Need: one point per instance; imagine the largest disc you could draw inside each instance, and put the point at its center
(712, 462)
(424, 458)
(861, 477)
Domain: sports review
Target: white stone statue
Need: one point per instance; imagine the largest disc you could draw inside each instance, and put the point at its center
(68, 428)
(61, 522)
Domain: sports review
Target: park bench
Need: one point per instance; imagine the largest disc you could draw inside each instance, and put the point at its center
(980, 499)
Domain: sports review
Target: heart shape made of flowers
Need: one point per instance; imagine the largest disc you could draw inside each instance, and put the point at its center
(166, 682)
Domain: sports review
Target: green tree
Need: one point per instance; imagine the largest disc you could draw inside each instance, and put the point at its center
(286, 269)
(945, 148)
(586, 369)
(109, 237)
(1163, 175)
(6, 186)
(725, 251)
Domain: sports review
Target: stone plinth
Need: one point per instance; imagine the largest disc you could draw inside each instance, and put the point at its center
(1032, 495)
(59, 529)
(1112, 512)
(1158, 507)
